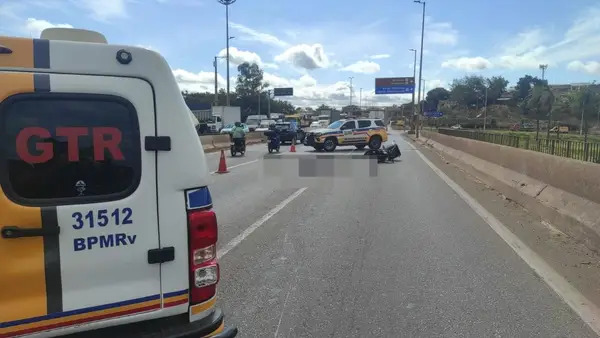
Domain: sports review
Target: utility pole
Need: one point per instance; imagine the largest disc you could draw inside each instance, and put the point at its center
(216, 86)
(423, 101)
(421, 61)
(269, 103)
(227, 38)
(351, 77)
(259, 92)
(414, 110)
(485, 109)
(543, 68)
(360, 99)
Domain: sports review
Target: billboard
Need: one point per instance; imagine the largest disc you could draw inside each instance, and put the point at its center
(395, 85)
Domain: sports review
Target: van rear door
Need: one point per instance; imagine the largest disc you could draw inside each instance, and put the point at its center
(78, 199)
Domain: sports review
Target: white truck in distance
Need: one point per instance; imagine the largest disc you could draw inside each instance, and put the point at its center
(224, 115)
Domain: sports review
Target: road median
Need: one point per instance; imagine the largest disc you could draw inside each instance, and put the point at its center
(213, 143)
(563, 191)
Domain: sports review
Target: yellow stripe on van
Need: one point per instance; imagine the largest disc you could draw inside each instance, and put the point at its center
(22, 270)
(22, 53)
(50, 324)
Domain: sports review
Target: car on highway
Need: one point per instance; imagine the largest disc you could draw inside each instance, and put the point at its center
(287, 133)
(101, 234)
(348, 132)
(264, 125)
(228, 128)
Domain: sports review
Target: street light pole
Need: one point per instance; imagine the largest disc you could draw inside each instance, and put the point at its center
(360, 99)
(421, 58)
(414, 78)
(485, 109)
(227, 3)
(269, 103)
(216, 86)
(351, 77)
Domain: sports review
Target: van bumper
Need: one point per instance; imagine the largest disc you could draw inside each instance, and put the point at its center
(211, 326)
(170, 327)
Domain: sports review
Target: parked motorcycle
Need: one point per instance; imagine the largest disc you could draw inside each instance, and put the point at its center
(385, 154)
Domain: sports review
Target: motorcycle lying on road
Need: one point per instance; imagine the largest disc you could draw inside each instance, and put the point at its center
(385, 154)
(238, 145)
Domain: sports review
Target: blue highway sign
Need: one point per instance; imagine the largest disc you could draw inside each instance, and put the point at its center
(434, 114)
(395, 85)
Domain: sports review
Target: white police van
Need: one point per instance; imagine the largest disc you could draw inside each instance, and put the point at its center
(106, 227)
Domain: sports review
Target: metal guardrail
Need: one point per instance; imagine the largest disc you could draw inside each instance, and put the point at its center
(578, 150)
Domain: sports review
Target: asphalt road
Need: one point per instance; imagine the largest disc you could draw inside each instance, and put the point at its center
(399, 254)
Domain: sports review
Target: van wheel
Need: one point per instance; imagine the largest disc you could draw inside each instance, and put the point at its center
(375, 142)
(360, 147)
(330, 144)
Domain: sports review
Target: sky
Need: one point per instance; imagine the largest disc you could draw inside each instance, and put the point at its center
(315, 46)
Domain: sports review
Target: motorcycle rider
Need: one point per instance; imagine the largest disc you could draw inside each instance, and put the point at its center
(238, 134)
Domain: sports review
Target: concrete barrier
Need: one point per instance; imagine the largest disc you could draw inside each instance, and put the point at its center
(577, 177)
(211, 143)
(563, 191)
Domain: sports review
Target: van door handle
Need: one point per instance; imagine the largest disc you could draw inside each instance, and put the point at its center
(11, 232)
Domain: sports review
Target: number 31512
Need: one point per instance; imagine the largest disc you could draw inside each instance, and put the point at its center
(102, 218)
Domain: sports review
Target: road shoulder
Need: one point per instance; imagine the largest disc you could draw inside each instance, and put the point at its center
(575, 262)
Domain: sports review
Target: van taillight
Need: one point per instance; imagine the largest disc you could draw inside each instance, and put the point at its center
(204, 269)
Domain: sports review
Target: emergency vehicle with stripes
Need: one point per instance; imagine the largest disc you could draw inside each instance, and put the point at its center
(106, 220)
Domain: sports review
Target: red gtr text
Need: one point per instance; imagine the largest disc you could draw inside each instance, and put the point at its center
(103, 138)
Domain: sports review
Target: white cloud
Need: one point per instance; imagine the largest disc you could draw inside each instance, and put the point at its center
(468, 63)
(591, 67)
(254, 35)
(532, 47)
(380, 56)
(305, 81)
(305, 56)
(36, 26)
(104, 9)
(237, 57)
(440, 33)
(197, 82)
(364, 67)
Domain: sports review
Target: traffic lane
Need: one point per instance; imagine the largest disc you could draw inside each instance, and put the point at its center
(374, 257)
(253, 152)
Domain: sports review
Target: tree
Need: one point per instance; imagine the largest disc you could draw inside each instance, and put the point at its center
(496, 87)
(434, 97)
(524, 86)
(249, 85)
(468, 91)
(585, 104)
(540, 103)
(324, 107)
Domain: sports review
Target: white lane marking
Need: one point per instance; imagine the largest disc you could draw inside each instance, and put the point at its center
(237, 165)
(586, 310)
(236, 241)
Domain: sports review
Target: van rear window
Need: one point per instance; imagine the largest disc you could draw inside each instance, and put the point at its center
(68, 148)
(379, 123)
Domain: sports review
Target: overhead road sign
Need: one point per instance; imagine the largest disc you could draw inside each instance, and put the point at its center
(283, 92)
(395, 85)
(434, 114)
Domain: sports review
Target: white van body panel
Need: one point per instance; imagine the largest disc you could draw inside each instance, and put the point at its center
(113, 274)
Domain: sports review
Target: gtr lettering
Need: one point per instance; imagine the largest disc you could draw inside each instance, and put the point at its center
(103, 241)
(103, 139)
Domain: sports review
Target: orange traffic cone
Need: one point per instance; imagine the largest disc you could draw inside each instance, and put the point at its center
(293, 147)
(222, 164)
